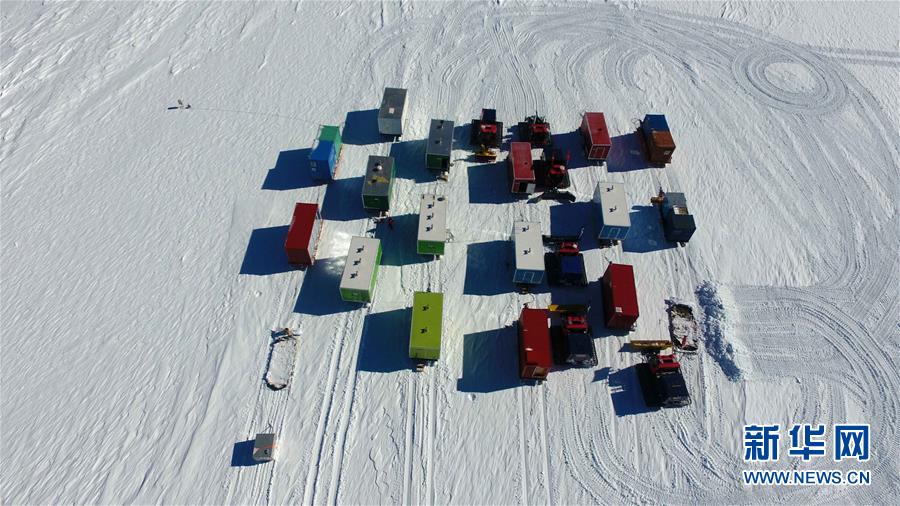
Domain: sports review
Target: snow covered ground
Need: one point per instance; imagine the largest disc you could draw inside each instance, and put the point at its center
(142, 269)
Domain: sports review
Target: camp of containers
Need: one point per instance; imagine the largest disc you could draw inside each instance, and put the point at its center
(358, 280)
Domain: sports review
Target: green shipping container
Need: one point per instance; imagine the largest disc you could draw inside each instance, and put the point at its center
(432, 225)
(333, 135)
(379, 183)
(427, 326)
(361, 269)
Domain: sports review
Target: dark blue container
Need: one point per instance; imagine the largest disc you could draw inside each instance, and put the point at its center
(655, 122)
(322, 161)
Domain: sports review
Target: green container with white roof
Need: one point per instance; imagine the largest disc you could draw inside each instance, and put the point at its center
(432, 225)
(361, 269)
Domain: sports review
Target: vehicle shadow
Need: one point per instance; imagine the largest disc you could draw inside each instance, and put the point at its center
(265, 252)
(320, 292)
(646, 233)
(573, 219)
(571, 144)
(626, 154)
(361, 128)
(626, 393)
(489, 361)
(291, 171)
(384, 345)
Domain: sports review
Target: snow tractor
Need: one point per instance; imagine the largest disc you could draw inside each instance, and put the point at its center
(551, 171)
(565, 266)
(536, 130)
(662, 382)
(573, 342)
(486, 135)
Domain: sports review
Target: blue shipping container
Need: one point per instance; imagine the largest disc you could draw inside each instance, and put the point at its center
(322, 161)
(655, 122)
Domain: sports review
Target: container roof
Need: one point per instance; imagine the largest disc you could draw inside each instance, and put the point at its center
(361, 261)
(300, 231)
(392, 103)
(440, 138)
(534, 327)
(623, 293)
(656, 122)
(379, 172)
(433, 218)
(520, 157)
(427, 320)
(529, 243)
(599, 134)
(613, 204)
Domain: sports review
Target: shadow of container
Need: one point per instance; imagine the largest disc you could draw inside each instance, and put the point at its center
(242, 454)
(570, 219)
(488, 268)
(384, 346)
(361, 128)
(320, 292)
(646, 233)
(571, 144)
(409, 161)
(490, 362)
(399, 244)
(265, 252)
(627, 396)
(626, 154)
(343, 200)
(291, 171)
(489, 184)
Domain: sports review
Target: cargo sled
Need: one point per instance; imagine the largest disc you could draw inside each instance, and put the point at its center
(683, 328)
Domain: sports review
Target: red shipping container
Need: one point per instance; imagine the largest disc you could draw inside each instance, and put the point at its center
(596, 136)
(535, 351)
(521, 171)
(620, 297)
(303, 234)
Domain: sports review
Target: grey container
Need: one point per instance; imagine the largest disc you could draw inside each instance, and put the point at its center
(379, 183)
(440, 144)
(264, 448)
(390, 116)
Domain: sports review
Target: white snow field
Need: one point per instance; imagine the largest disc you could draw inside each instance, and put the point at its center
(143, 271)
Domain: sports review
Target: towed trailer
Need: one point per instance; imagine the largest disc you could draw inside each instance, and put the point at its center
(427, 326)
(378, 185)
(520, 168)
(433, 233)
(529, 254)
(324, 159)
(614, 221)
(535, 349)
(595, 135)
(620, 304)
(361, 270)
(390, 115)
(302, 240)
(678, 222)
(440, 145)
(656, 139)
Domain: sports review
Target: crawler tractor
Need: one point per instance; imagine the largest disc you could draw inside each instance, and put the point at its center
(536, 130)
(486, 135)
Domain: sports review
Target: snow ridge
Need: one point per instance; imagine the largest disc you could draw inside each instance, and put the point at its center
(715, 326)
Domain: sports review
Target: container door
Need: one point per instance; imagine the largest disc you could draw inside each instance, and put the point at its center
(530, 188)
